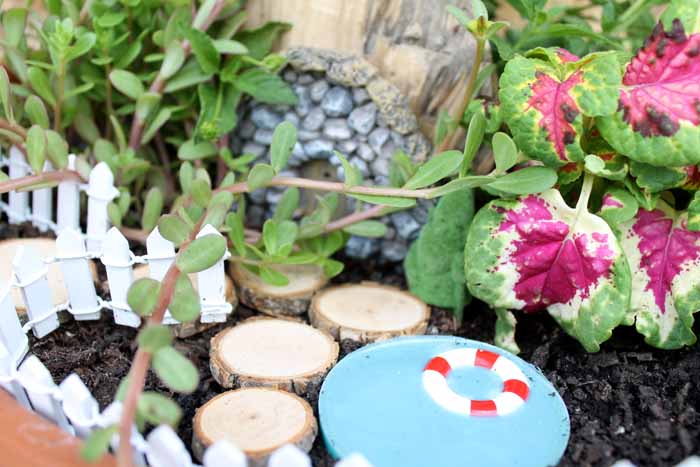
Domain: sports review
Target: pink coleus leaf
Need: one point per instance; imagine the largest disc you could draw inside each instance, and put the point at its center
(664, 257)
(536, 253)
(659, 107)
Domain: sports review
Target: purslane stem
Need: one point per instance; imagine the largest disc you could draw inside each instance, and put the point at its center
(25, 182)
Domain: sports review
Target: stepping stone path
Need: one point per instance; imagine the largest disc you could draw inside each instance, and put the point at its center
(256, 420)
(368, 312)
(290, 300)
(443, 401)
(271, 352)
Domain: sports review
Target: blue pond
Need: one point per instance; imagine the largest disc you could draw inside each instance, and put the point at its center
(373, 402)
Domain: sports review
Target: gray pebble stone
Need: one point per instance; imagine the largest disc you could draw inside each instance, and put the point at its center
(361, 165)
(304, 105)
(388, 150)
(348, 146)
(263, 136)
(254, 149)
(318, 90)
(290, 76)
(257, 196)
(319, 149)
(305, 78)
(394, 251)
(362, 248)
(360, 95)
(273, 196)
(298, 150)
(337, 129)
(362, 119)
(256, 215)
(306, 135)
(246, 130)
(380, 167)
(377, 139)
(314, 120)
(365, 152)
(406, 226)
(337, 102)
(292, 118)
(263, 117)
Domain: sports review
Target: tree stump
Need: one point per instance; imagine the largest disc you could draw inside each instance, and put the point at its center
(275, 353)
(290, 300)
(368, 312)
(194, 327)
(256, 420)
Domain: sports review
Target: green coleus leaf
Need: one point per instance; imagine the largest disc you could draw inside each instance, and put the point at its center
(435, 262)
(545, 96)
(665, 261)
(658, 179)
(658, 117)
(536, 253)
(687, 11)
(618, 205)
(693, 223)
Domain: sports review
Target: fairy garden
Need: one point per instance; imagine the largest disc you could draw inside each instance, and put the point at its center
(360, 234)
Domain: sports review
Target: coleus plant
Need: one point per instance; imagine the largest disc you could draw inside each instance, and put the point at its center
(621, 132)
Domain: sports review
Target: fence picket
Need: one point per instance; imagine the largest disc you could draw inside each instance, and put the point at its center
(100, 192)
(165, 449)
(8, 381)
(18, 207)
(212, 287)
(161, 254)
(110, 416)
(11, 334)
(224, 454)
(70, 251)
(354, 460)
(68, 201)
(117, 260)
(79, 405)
(36, 293)
(42, 204)
(41, 390)
(289, 456)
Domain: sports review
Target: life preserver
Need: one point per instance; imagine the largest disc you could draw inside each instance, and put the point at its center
(515, 385)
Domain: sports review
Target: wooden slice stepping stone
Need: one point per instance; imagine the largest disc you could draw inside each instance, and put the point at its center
(290, 300)
(189, 329)
(432, 400)
(46, 247)
(276, 353)
(368, 312)
(256, 420)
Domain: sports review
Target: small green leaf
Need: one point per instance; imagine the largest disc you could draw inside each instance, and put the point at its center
(464, 183)
(175, 370)
(40, 84)
(201, 254)
(81, 46)
(186, 175)
(152, 208)
(693, 223)
(263, 86)
(230, 47)
(287, 205)
(161, 118)
(371, 229)
(127, 83)
(35, 110)
(192, 151)
(143, 295)
(332, 268)
(173, 228)
(154, 337)
(5, 94)
(353, 176)
(56, 149)
(97, 443)
(36, 148)
(504, 151)
(190, 75)
(273, 277)
(475, 135)
(386, 200)
(283, 140)
(236, 233)
(201, 192)
(185, 305)
(13, 24)
(618, 206)
(459, 15)
(259, 176)
(438, 167)
(114, 214)
(173, 60)
(259, 41)
(505, 331)
(279, 237)
(157, 409)
(594, 164)
(526, 181)
(218, 208)
(204, 51)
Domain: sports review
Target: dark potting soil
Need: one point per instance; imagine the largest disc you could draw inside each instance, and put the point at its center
(626, 401)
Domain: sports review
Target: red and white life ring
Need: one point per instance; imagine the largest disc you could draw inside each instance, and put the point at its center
(515, 385)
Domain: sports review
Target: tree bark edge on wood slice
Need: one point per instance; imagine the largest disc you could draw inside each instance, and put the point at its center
(353, 329)
(290, 300)
(287, 407)
(233, 353)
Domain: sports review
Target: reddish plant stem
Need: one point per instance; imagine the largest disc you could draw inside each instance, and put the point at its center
(165, 161)
(23, 182)
(14, 128)
(221, 167)
(354, 218)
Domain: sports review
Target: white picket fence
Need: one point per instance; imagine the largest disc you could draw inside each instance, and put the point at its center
(70, 404)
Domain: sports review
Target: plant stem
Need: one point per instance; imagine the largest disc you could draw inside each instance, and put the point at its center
(23, 182)
(354, 218)
(13, 127)
(165, 162)
(448, 141)
(59, 96)
(584, 196)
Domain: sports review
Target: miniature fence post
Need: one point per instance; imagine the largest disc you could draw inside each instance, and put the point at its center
(8, 380)
(70, 251)
(68, 205)
(165, 449)
(354, 460)
(79, 405)
(11, 334)
(41, 390)
(42, 204)
(100, 192)
(161, 254)
(18, 205)
(289, 456)
(117, 260)
(224, 454)
(36, 293)
(212, 287)
(111, 416)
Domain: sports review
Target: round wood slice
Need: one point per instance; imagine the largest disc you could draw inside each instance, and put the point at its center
(278, 353)
(290, 300)
(46, 248)
(256, 420)
(196, 326)
(368, 312)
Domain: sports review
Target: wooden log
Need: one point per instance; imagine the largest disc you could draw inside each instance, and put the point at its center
(256, 420)
(290, 300)
(368, 312)
(46, 247)
(194, 327)
(415, 44)
(275, 353)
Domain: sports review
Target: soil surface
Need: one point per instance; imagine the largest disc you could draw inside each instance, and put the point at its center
(626, 401)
